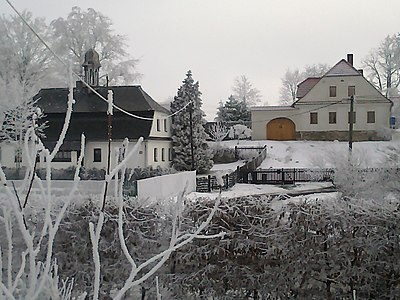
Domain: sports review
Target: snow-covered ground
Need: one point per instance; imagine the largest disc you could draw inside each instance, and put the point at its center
(315, 154)
(241, 189)
(300, 154)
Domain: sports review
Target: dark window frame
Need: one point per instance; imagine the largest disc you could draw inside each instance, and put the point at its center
(313, 118)
(332, 117)
(351, 90)
(96, 154)
(165, 125)
(63, 156)
(155, 154)
(162, 154)
(371, 117)
(332, 91)
(158, 125)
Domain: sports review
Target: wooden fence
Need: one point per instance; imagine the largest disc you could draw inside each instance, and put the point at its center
(288, 176)
(211, 183)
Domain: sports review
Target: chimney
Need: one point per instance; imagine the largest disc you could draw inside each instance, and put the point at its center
(361, 71)
(350, 58)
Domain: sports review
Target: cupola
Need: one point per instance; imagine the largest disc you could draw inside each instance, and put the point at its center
(91, 67)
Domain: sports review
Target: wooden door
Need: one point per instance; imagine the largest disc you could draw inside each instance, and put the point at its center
(281, 129)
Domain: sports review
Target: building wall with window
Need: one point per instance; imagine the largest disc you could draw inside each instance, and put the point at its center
(322, 109)
(159, 153)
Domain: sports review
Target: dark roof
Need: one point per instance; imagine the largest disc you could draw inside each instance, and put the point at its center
(94, 126)
(305, 86)
(89, 114)
(130, 98)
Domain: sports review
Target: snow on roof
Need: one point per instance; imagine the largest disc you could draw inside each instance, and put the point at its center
(342, 68)
(273, 108)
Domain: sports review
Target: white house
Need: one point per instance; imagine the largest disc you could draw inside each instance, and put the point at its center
(322, 109)
(90, 117)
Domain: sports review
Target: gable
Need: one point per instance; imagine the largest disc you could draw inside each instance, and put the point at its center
(342, 68)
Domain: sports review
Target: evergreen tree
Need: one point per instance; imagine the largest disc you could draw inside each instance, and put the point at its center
(183, 138)
(233, 111)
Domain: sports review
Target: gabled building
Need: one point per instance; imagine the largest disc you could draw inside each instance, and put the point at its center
(322, 109)
(89, 116)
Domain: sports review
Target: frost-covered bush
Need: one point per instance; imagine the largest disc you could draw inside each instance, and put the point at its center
(223, 155)
(147, 172)
(92, 174)
(335, 248)
(147, 230)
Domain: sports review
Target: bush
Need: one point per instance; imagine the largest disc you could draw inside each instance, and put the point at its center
(223, 155)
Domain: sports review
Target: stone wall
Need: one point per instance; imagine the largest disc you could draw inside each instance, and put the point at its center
(358, 136)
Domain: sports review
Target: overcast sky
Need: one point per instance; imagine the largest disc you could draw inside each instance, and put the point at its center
(221, 39)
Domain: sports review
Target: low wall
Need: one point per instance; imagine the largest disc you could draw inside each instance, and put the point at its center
(358, 136)
(167, 186)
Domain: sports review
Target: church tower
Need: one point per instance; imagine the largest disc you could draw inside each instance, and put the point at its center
(91, 67)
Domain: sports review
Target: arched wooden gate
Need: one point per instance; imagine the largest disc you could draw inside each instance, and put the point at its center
(281, 129)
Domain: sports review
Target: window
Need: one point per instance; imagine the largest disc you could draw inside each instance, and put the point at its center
(351, 90)
(332, 117)
(18, 156)
(165, 125)
(370, 117)
(162, 154)
(62, 156)
(158, 125)
(332, 91)
(314, 118)
(97, 155)
(354, 117)
(169, 154)
(155, 154)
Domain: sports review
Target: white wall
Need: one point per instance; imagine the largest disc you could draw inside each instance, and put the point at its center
(367, 98)
(137, 161)
(167, 186)
(159, 145)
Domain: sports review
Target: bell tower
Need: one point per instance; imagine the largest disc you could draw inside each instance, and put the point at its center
(91, 67)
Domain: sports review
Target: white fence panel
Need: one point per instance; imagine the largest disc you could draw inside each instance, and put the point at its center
(167, 186)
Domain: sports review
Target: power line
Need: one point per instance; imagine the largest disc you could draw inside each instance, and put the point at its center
(304, 112)
(79, 77)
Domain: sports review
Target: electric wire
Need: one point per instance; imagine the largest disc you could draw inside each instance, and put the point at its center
(79, 77)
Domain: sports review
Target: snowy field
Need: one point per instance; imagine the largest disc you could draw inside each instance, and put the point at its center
(313, 154)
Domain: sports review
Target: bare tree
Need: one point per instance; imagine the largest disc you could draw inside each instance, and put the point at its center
(82, 31)
(291, 79)
(289, 86)
(383, 65)
(25, 66)
(244, 91)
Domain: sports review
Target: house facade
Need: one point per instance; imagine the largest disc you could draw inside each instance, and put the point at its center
(143, 117)
(322, 109)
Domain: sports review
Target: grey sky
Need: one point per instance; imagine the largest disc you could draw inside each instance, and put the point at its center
(222, 39)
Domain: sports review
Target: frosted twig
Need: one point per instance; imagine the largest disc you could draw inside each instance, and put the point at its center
(163, 256)
(95, 237)
(67, 119)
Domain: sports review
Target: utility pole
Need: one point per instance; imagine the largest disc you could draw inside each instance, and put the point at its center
(109, 136)
(351, 121)
(191, 133)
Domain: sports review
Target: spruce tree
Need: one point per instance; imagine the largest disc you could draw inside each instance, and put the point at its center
(185, 140)
(233, 111)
